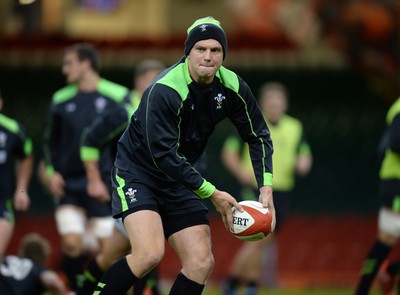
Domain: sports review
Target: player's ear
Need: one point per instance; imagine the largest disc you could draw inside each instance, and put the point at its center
(87, 64)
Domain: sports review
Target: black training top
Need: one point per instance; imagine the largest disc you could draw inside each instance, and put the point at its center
(175, 118)
(20, 276)
(70, 113)
(104, 134)
(14, 144)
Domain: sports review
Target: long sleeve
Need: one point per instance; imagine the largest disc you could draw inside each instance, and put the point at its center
(162, 135)
(250, 123)
(102, 131)
(51, 141)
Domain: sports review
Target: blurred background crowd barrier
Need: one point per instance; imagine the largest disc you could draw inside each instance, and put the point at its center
(339, 60)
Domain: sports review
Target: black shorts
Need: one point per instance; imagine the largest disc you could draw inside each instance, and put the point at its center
(281, 203)
(7, 210)
(91, 206)
(178, 206)
(390, 194)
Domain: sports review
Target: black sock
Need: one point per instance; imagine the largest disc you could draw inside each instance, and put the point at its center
(252, 284)
(73, 268)
(116, 280)
(140, 285)
(251, 288)
(148, 281)
(376, 256)
(232, 282)
(92, 275)
(394, 268)
(152, 282)
(184, 286)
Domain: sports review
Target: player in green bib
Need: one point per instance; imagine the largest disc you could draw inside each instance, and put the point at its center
(389, 214)
(292, 157)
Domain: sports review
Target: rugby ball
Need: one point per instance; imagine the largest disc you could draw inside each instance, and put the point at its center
(254, 223)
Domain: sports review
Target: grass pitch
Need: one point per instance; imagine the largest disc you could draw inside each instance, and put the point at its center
(316, 291)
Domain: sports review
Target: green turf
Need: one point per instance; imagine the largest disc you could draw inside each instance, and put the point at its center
(332, 291)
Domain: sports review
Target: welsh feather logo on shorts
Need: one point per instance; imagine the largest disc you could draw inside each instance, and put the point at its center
(131, 194)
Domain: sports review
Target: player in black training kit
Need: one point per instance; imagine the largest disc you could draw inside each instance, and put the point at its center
(105, 132)
(388, 235)
(27, 273)
(73, 108)
(157, 190)
(15, 148)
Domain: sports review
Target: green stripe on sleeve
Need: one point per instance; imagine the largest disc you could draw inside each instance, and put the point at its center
(49, 170)
(232, 143)
(304, 149)
(28, 147)
(89, 153)
(268, 178)
(9, 124)
(205, 190)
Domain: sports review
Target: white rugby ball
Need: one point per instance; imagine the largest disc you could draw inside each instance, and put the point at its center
(254, 223)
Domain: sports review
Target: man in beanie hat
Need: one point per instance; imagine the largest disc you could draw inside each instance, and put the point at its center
(205, 28)
(156, 190)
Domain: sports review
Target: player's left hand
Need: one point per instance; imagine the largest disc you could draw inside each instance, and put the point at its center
(21, 200)
(223, 203)
(266, 199)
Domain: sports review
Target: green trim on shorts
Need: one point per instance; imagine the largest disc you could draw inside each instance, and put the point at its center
(205, 190)
(121, 193)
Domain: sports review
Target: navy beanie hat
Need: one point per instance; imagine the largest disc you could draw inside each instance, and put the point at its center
(205, 28)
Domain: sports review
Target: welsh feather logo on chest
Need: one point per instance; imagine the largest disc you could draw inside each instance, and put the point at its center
(100, 104)
(3, 139)
(219, 100)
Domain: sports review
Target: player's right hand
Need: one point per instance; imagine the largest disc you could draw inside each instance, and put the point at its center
(223, 203)
(98, 190)
(56, 185)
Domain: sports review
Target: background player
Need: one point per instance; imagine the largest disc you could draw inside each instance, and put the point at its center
(292, 156)
(157, 191)
(73, 108)
(27, 273)
(106, 131)
(389, 214)
(16, 163)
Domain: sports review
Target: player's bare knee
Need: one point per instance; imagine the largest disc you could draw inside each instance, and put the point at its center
(203, 265)
(208, 264)
(151, 260)
(143, 263)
